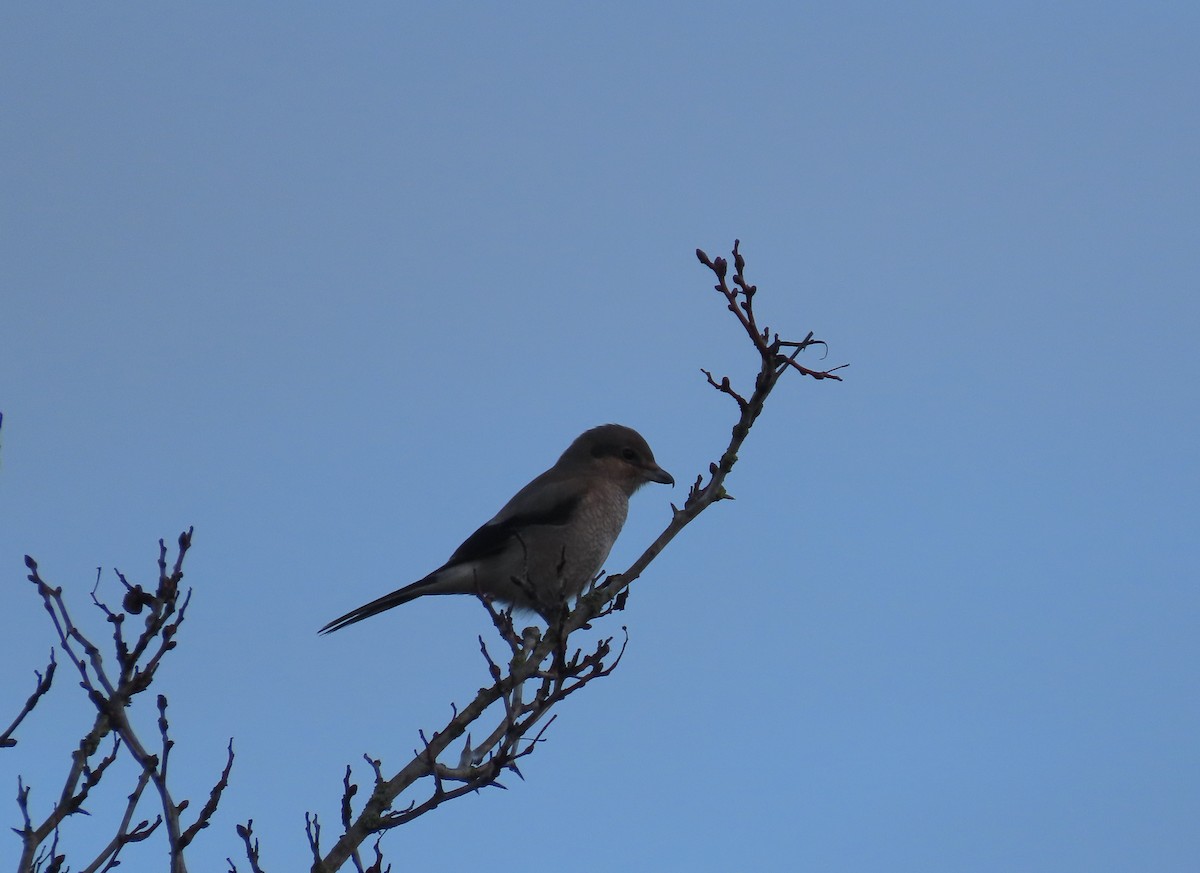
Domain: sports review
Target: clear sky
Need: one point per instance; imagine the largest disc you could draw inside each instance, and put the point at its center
(331, 281)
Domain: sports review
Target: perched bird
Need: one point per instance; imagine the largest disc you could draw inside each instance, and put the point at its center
(551, 539)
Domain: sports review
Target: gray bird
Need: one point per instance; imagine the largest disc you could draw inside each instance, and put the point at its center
(551, 539)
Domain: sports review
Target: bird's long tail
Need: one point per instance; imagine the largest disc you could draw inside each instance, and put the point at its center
(428, 585)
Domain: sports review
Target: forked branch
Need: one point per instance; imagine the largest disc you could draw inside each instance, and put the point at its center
(541, 669)
(113, 693)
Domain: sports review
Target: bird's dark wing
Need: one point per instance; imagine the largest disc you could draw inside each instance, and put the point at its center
(494, 537)
(544, 501)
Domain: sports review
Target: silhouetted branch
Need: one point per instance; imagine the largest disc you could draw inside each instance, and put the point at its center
(538, 673)
(143, 829)
(44, 680)
(113, 694)
(246, 832)
(529, 670)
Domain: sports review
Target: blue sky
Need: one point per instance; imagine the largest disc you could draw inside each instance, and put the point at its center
(330, 282)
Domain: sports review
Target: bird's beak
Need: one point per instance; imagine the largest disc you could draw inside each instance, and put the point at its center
(658, 474)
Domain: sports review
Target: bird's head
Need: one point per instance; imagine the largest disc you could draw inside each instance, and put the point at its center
(619, 453)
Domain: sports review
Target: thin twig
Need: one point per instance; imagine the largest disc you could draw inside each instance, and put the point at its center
(539, 663)
(44, 681)
(112, 694)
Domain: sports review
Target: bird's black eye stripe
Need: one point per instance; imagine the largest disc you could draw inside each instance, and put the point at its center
(624, 452)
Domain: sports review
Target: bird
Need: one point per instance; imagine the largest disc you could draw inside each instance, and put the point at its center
(551, 539)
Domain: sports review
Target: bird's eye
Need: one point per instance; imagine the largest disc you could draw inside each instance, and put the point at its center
(629, 454)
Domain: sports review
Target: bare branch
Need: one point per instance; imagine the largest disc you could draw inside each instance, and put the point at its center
(124, 836)
(539, 673)
(214, 798)
(112, 692)
(44, 680)
(246, 832)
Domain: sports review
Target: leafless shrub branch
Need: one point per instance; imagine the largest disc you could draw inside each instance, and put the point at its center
(112, 690)
(529, 670)
(540, 669)
(44, 680)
